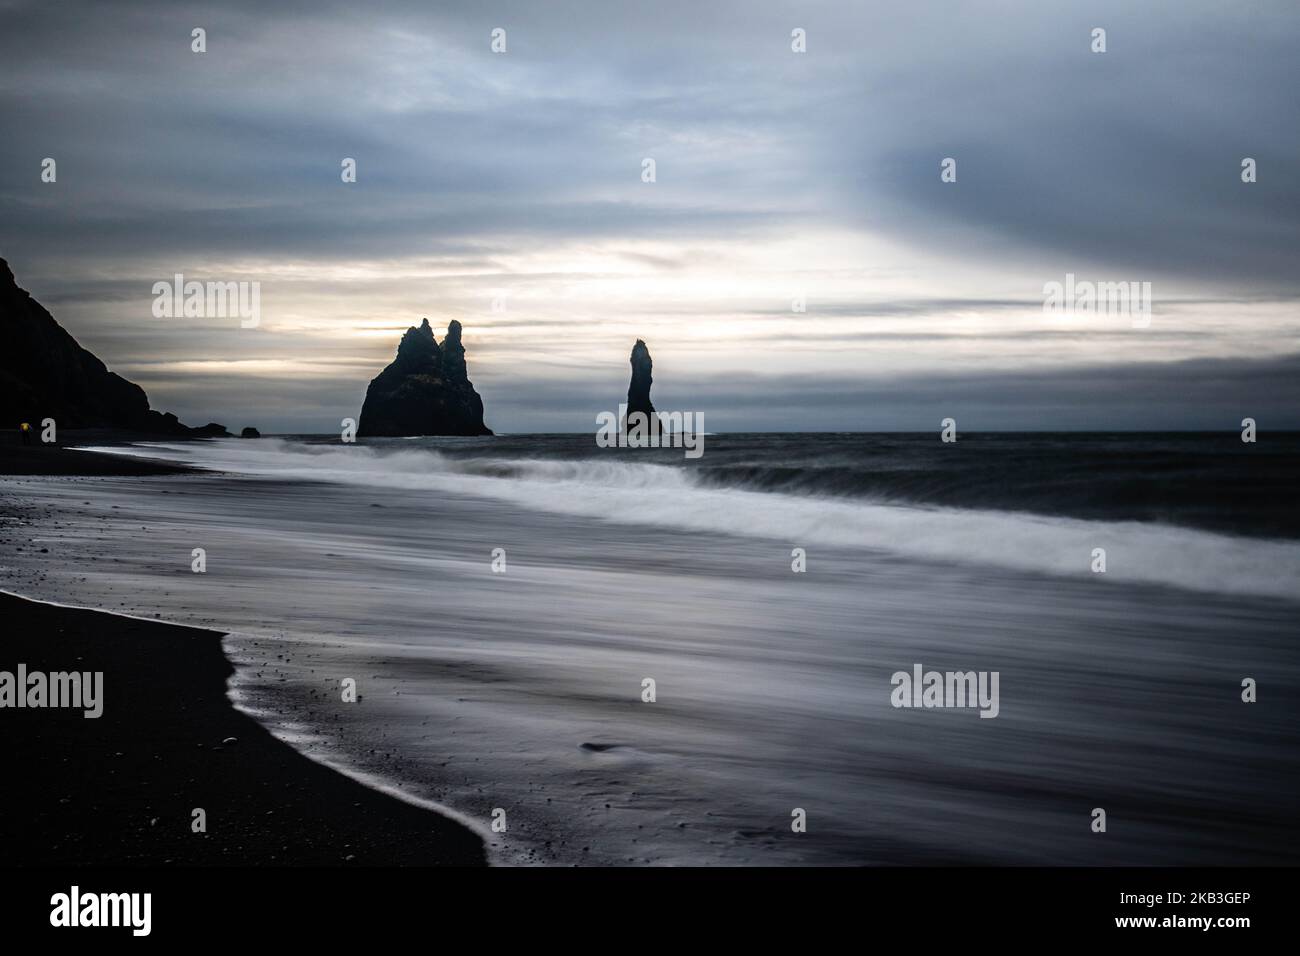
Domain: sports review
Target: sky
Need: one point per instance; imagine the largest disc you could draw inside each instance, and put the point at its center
(506, 190)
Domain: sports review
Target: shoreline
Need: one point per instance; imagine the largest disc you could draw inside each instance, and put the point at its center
(482, 700)
(63, 459)
(121, 789)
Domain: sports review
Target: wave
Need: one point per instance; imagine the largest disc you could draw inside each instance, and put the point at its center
(619, 491)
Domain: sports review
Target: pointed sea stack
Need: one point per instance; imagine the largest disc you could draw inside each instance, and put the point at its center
(638, 396)
(638, 392)
(424, 391)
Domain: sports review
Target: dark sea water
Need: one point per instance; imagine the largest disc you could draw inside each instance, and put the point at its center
(519, 687)
(1199, 479)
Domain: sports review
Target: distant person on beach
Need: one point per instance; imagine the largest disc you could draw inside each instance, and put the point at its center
(26, 429)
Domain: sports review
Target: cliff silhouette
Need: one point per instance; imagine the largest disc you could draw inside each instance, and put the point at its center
(45, 373)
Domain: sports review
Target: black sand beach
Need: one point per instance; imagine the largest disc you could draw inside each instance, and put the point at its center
(121, 789)
(58, 459)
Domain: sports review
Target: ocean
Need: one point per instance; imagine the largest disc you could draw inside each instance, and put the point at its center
(500, 604)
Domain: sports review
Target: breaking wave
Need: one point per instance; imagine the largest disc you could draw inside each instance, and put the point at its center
(620, 491)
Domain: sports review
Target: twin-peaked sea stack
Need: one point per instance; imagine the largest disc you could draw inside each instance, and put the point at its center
(424, 391)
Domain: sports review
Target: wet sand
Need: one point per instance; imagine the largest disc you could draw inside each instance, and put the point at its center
(38, 459)
(121, 789)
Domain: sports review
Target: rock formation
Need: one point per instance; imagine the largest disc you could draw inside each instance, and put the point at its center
(424, 391)
(44, 373)
(250, 432)
(638, 392)
(638, 395)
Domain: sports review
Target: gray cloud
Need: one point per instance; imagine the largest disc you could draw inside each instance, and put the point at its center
(1125, 162)
(1128, 158)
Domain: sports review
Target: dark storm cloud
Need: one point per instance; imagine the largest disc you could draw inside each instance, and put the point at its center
(238, 150)
(1128, 158)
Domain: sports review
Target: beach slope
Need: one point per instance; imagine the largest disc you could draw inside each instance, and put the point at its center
(122, 789)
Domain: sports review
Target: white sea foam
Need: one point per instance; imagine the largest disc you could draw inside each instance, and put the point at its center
(638, 493)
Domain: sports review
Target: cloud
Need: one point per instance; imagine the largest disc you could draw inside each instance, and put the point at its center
(777, 172)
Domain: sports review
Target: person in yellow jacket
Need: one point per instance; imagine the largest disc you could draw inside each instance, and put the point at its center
(26, 429)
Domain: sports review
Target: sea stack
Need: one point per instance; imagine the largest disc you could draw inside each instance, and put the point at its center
(638, 392)
(45, 373)
(638, 389)
(424, 391)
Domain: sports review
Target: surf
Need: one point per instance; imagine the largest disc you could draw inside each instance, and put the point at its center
(624, 492)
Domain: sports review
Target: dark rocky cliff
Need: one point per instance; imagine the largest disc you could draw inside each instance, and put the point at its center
(424, 391)
(44, 373)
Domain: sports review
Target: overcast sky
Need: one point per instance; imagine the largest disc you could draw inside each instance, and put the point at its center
(517, 177)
